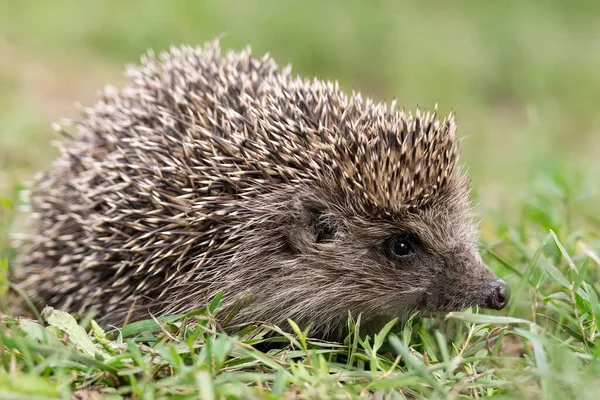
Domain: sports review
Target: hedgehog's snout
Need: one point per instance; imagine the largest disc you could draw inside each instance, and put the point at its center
(499, 294)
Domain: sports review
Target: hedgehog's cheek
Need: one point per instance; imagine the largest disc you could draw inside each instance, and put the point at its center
(463, 281)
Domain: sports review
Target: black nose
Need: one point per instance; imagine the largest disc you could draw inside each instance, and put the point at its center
(499, 296)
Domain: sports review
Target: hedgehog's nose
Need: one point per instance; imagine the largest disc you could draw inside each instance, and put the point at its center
(499, 295)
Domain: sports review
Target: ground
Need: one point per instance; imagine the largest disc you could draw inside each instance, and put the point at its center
(522, 78)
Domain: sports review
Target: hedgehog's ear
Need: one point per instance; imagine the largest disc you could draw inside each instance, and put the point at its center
(311, 223)
(322, 225)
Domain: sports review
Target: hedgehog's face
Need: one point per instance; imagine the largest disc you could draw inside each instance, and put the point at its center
(425, 261)
(437, 249)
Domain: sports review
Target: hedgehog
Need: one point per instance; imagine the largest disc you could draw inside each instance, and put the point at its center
(221, 173)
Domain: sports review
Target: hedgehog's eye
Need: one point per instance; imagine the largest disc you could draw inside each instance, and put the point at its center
(399, 246)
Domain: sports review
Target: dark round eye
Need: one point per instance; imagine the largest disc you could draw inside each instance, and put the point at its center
(399, 246)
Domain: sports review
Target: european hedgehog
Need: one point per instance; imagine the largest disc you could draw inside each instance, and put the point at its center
(211, 173)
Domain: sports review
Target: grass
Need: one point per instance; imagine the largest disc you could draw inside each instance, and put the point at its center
(522, 76)
(546, 345)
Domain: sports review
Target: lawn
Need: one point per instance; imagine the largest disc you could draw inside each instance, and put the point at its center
(522, 77)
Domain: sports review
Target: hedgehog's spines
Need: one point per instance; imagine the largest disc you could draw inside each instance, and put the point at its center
(166, 170)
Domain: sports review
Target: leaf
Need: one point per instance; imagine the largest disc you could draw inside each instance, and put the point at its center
(443, 346)
(382, 335)
(505, 263)
(563, 251)
(148, 325)
(555, 274)
(279, 383)
(486, 319)
(301, 335)
(529, 271)
(581, 274)
(558, 296)
(33, 330)
(215, 303)
(77, 335)
(538, 342)
(416, 364)
(205, 385)
(410, 379)
(27, 386)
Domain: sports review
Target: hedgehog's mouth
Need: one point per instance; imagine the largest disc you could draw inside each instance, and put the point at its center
(442, 307)
(492, 299)
(441, 311)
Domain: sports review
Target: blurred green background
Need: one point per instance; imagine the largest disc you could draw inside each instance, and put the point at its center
(523, 76)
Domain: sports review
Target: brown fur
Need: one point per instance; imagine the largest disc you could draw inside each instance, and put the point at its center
(211, 173)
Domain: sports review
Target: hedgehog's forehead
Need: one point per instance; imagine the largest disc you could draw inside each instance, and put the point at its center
(393, 162)
(446, 222)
